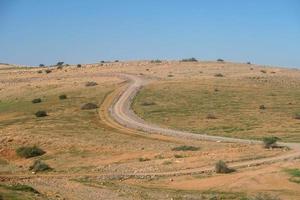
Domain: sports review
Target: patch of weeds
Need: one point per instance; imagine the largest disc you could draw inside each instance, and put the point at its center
(39, 166)
(263, 197)
(222, 168)
(263, 71)
(262, 107)
(29, 152)
(211, 116)
(159, 157)
(148, 103)
(156, 61)
(185, 148)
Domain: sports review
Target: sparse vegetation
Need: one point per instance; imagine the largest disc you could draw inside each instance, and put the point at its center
(264, 197)
(185, 148)
(41, 113)
(220, 60)
(40, 71)
(62, 97)
(189, 60)
(41, 65)
(270, 142)
(248, 63)
(222, 168)
(29, 152)
(78, 65)
(295, 175)
(91, 83)
(89, 106)
(39, 166)
(20, 187)
(156, 61)
(38, 100)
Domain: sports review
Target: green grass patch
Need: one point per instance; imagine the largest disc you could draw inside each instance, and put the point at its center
(295, 175)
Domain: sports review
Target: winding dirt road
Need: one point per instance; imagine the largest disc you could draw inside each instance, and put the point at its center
(122, 113)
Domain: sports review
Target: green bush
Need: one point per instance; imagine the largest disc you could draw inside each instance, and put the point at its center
(39, 166)
(185, 148)
(62, 97)
(28, 152)
(38, 100)
(222, 168)
(270, 141)
(41, 113)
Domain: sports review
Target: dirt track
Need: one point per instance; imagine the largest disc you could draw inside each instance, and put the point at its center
(121, 111)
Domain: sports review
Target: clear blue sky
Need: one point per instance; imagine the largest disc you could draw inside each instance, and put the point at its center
(86, 31)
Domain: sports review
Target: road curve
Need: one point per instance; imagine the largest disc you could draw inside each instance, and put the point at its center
(122, 113)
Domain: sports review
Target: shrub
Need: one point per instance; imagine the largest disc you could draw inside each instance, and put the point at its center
(219, 75)
(189, 60)
(170, 75)
(89, 106)
(148, 103)
(156, 61)
(185, 148)
(263, 71)
(220, 60)
(222, 168)
(62, 97)
(178, 156)
(29, 152)
(262, 107)
(79, 65)
(270, 141)
(41, 65)
(248, 63)
(39, 166)
(91, 83)
(143, 159)
(297, 116)
(38, 100)
(116, 60)
(41, 113)
(211, 116)
(40, 71)
(48, 71)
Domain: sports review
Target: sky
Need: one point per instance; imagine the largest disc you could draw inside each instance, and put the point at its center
(87, 31)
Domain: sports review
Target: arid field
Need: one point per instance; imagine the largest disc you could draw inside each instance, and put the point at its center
(85, 153)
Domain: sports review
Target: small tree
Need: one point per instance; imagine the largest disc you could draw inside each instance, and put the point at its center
(220, 60)
(42, 65)
(59, 63)
(270, 142)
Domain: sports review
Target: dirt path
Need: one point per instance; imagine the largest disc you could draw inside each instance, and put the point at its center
(123, 114)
